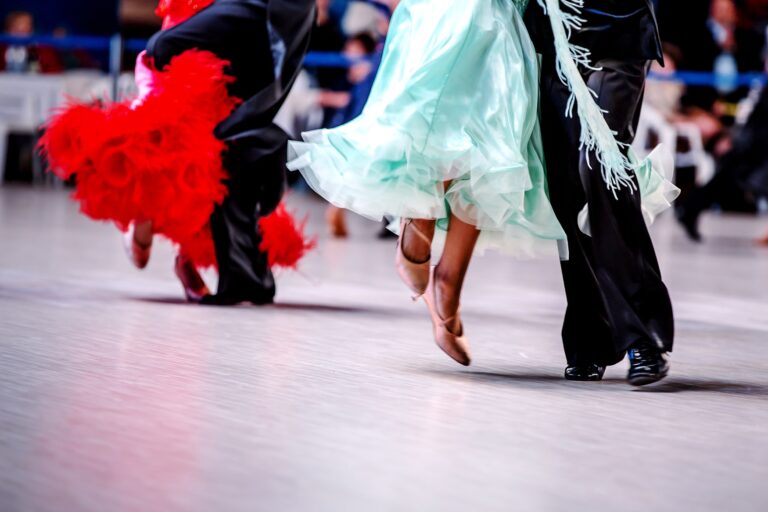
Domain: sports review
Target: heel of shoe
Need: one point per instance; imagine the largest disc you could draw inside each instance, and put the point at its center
(415, 275)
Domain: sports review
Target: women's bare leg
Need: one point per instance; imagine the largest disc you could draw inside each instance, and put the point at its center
(415, 247)
(450, 272)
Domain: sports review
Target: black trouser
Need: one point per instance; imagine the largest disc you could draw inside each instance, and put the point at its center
(615, 293)
(247, 34)
(256, 167)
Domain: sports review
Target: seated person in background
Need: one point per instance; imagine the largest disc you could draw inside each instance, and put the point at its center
(299, 112)
(742, 170)
(26, 58)
(725, 46)
(17, 58)
(364, 16)
(665, 96)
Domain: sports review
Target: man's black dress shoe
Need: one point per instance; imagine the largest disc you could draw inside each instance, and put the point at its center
(584, 373)
(647, 364)
(227, 300)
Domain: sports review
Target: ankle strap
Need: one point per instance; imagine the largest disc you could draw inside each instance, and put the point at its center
(409, 223)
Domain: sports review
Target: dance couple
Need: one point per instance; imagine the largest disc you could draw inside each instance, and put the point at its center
(196, 157)
(498, 124)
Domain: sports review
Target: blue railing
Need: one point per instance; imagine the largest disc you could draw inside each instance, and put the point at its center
(710, 79)
(321, 59)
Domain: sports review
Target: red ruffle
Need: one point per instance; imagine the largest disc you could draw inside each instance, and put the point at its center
(158, 161)
(283, 239)
(174, 12)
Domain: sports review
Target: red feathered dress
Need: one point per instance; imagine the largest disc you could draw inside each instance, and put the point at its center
(157, 159)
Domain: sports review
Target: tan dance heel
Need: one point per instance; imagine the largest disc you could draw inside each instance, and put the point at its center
(457, 347)
(414, 275)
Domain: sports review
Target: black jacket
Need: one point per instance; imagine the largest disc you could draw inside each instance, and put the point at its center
(614, 29)
(264, 41)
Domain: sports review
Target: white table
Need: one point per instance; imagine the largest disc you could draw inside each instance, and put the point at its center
(27, 100)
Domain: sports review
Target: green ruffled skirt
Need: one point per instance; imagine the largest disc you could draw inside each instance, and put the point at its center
(455, 100)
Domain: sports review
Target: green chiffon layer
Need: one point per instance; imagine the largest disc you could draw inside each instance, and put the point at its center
(456, 99)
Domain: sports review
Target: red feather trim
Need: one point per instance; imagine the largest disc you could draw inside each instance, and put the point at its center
(174, 12)
(283, 239)
(158, 161)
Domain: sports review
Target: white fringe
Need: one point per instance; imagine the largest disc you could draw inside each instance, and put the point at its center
(596, 135)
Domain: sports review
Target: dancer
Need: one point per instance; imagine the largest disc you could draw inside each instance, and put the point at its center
(157, 163)
(449, 142)
(617, 301)
(264, 43)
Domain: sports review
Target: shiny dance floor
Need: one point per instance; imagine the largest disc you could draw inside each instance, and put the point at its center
(117, 396)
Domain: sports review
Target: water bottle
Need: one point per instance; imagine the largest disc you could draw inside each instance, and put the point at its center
(16, 59)
(726, 73)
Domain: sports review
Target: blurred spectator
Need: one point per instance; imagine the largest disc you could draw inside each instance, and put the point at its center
(665, 96)
(743, 170)
(726, 46)
(26, 58)
(327, 36)
(299, 112)
(17, 58)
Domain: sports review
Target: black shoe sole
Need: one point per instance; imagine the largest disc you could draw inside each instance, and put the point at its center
(586, 379)
(215, 300)
(644, 379)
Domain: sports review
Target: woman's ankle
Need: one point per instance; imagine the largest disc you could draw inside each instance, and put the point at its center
(448, 294)
(416, 240)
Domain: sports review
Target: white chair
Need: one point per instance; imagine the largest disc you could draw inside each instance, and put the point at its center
(653, 123)
(696, 156)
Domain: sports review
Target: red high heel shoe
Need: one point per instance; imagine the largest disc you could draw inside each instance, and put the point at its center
(193, 284)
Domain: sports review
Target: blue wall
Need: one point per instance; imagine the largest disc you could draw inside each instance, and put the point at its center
(95, 17)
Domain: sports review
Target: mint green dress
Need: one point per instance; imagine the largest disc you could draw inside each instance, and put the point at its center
(455, 100)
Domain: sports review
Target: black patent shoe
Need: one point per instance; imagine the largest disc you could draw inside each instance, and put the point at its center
(229, 300)
(588, 372)
(647, 364)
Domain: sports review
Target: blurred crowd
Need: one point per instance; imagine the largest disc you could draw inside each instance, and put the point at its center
(728, 39)
(726, 117)
(329, 95)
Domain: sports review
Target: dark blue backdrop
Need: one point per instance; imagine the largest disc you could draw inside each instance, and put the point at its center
(77, 16)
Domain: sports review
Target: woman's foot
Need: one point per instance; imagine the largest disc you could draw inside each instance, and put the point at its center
(137, 242)
(336, 219)
(414, 253)
(763, 240)
(448, 330)
(193, 284)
